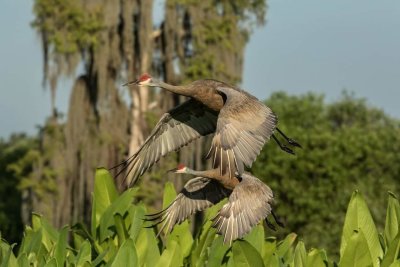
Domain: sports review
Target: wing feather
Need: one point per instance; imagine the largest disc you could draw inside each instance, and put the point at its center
(177, 128)
(244, 125)
(249, 203)
(198, 194)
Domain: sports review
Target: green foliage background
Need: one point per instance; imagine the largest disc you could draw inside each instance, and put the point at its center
(347, 145)
(117, 237)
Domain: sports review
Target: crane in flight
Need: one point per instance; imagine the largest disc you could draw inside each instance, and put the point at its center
(249, 202)
(241, 125)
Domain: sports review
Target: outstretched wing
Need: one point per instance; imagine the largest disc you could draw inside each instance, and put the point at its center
(176, 129)
(198, 194)
(249, 203)
(244, 125)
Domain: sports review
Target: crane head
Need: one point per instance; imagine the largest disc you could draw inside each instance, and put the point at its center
(180, 169)
(144, 80)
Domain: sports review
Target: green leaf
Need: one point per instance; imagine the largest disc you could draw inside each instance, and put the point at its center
(199, 253)
(395, 264)
(22, 260)
(356, 252)
(269, 249)
(104, 194)
(120, 228)
(245, 254)
(285, 248)
(84, 254)
(217, 252)
(7, 257)
(120, 205)
(126, 255)
(392, 219)
(137, 214)
(256, 238)
(316, 258)
(392, 252)
(183, 236)
(61, 246)
(300, 255)
(147, 248)
(51, 263)
(49, 234)
(171, 257)
(358, 218)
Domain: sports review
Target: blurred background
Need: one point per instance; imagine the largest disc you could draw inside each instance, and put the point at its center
(330, 70)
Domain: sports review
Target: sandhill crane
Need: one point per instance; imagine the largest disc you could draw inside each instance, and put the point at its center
(249, 202)
(240, 122)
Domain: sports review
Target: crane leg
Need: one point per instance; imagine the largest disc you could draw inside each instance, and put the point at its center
(283, 147)
(278, 222)
(270, 225)
(289, 140)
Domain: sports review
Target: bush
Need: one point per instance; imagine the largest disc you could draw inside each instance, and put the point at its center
(117, 238)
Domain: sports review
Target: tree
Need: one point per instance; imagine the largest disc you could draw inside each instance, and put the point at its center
(347, 145)
(16, 160)
(115, 41)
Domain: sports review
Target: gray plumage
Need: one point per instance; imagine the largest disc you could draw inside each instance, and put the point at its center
(248, 203)
(241, 124)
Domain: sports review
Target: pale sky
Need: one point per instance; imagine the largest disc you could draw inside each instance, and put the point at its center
(307, 45)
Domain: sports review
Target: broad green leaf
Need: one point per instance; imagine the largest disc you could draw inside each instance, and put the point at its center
(51, 263)
(171, 256)
(285, 248)
(217, 252)
(104, 194)
(100, 258)
(147, 248)
(34, 243)
(392, 252)
(316, 258)
(392, 219)
(49, 234)
(300, 255)
(199, 253)
(126, 255)
(183, 236)
(7, 257)
(120, 227)
(22, 259)
(358, 218)
(356, 253)
(61, 246)
(120, 205)
(275, 261)
(256, 238)
(395, 264)
(80, 234)
(269, 249)
(137, 214)
(169, 194)
(84, 254)
(245, 254)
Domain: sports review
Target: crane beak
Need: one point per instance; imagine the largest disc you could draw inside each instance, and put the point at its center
(135, 82)
(172, 170)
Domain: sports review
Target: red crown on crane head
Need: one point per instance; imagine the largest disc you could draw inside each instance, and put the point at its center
(181, 166)
(144, 77)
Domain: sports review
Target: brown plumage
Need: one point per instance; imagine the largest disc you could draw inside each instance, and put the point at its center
(249, 202)
(240, 122)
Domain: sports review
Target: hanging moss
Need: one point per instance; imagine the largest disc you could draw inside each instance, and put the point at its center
(66, 26)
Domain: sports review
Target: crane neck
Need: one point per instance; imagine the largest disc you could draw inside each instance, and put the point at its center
(177, 89)
(211, 174)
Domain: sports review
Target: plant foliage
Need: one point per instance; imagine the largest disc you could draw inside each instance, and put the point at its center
(118, 238)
